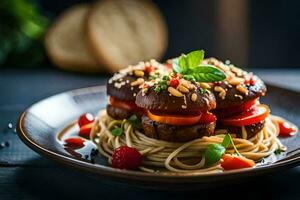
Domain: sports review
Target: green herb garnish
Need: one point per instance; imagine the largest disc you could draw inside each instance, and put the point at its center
(190, 65)
(226, 141)
(117, 131)
(153, 77)
(166, 78)
(162, 85)
(135, 122)
(157, 89)
(278, 151)
(202, 91)
(214, 152)
(189, 77)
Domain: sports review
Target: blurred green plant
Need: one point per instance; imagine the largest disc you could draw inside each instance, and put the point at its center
(22, 28)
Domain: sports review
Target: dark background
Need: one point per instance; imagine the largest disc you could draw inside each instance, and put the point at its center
(249, 32)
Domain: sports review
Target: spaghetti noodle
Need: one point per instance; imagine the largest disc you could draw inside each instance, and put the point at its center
(183, 157)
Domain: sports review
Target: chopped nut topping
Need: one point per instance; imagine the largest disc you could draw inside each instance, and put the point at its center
(238, 96)
(205, 85)
(174, 92)
(222, 91)
(219, 89)
(236, 81)
(242, 89)
(138, 73)
(139, 81)
(183, 89)
(194, 97)
(238, 71)
(222, 95)
(185, 83)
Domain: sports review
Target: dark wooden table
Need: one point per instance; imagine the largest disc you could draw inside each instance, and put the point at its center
(26, 175)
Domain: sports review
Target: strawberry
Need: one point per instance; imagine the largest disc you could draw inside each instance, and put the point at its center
(126, 157)
(86, 118)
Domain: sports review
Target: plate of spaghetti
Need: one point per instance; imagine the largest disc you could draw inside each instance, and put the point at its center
(189, 119)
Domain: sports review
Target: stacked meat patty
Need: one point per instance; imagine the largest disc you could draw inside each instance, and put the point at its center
(175, 108)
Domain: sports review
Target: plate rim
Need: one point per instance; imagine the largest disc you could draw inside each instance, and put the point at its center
(139, 175)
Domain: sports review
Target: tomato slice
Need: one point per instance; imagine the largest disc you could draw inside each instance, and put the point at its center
(127, 105)
(254, 115)
(226, 112)
(177, 120)
(85, 130)
(207, 118)
(231, 162)
(286, 129)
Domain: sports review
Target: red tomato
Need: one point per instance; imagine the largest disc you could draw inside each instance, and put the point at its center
(226, 112)
(127, 105)
(207, 118)
(74, 142)
(250, 80)
(86, 130)
(177, 120)
(169, 64)
(254, 115)
(174, 82)
(230, 162)
(86, 118)
(286, 129)
(148, 69)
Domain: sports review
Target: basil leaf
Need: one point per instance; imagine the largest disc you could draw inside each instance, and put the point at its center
(213, 153)
(183, 64)
(232, 143)
(226, 141)
(117, 131)
(207, 73)
(135, 122)
(175, 64)
(189, 77)
(194, 58)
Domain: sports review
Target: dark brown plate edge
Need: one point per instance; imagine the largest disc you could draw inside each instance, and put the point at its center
(144, 176)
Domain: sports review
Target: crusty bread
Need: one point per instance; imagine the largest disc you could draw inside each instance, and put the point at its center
(123, 32)
(66, 42)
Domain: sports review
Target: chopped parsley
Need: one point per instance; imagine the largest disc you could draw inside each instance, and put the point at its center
(278, 151)
(162, 85)
(202, 91)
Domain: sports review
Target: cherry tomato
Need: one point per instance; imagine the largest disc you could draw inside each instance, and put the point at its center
(127, 105)
(86, 118)
(250, 80)
(177, 120)
(174, 82)
(169, 64)
(148, 69)
(230, 162)
(254, 115)
(86, 130)
(226, 112)
(74, 142)
(286, 129)
(207, 118)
